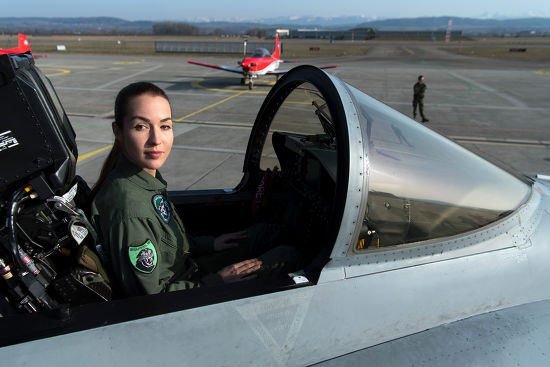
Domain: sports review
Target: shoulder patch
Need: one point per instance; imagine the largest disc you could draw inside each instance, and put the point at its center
(162, 207)
(144, 257)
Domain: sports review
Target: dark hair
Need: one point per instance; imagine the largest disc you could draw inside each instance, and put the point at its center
(420, 77)
(122, 101)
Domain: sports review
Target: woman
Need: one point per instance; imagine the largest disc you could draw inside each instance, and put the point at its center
(139, 227)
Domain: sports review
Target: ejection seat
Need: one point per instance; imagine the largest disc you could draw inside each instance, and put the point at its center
(46, 241)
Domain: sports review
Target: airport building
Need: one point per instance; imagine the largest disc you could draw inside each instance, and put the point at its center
(363, 34)
(348, 35)
(436, 35)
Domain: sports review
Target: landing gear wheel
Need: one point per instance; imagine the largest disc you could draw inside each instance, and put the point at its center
(250, 84)
(242, 81)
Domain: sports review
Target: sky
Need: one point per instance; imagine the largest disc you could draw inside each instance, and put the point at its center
(181, 10)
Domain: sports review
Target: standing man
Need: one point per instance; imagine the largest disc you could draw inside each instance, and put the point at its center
(418, 99)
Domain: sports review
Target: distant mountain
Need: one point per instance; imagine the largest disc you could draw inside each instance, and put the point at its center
(316, 22)
(288, 22)
(75, 25)
(117, 25)
(467, 25)
(109, 24)
(229, 27)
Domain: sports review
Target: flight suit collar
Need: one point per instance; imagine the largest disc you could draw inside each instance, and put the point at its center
(138, 176)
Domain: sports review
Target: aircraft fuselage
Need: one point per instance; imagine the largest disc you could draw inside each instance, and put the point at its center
(254, 66)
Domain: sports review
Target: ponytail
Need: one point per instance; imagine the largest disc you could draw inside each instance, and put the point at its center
(108, 166)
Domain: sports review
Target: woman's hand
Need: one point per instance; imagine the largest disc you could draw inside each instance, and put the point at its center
(239, 271)
(228, 240)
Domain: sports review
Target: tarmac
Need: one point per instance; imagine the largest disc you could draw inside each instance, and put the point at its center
(497, 108)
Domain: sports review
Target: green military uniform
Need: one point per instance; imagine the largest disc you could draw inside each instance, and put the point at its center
(146, 241)
(418, 99)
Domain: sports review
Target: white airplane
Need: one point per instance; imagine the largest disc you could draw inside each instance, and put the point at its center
(416, 251)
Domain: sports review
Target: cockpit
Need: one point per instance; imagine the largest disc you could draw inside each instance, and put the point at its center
(422, 186)
(401, 182)
(261, 52)
(344, 173)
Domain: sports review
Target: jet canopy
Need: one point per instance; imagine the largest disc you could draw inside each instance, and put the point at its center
(379, 177)
(261, 52)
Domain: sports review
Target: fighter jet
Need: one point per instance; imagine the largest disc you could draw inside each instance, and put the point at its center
(261, 62)
(415, 251)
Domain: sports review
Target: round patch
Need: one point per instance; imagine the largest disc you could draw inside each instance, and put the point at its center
(162, 207)
(144, 257)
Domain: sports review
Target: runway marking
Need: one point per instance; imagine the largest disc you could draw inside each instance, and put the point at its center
(97, 151)
(510, 99)
(128, 62)
(128, 77)
(235, 94)
(212, 105)
(542, 72)
(59, 72)
(197, 84)
(411, 52)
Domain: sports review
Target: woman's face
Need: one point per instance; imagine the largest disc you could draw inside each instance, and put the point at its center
(146, 135)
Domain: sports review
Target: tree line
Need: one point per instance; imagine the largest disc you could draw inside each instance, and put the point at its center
(175, 28)
(161, 28)
(186, 29)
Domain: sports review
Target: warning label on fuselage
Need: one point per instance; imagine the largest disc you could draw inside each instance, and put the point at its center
(7, 140)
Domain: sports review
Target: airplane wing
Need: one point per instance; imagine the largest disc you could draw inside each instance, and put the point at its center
(497, 338)
(220, 67)
(283, 71)
(278, 72)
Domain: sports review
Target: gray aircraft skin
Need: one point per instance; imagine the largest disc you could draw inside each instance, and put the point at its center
(422, 253)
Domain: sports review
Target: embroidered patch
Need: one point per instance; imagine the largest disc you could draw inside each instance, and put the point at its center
(144, 257)
(162, 207)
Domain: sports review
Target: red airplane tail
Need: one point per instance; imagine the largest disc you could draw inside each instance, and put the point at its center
(22, 47)
(23, 44)
(277, 53)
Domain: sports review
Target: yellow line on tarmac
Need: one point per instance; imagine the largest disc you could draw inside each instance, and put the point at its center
(296, 102)
(128, 62)
(542, 72)
(212, 105)
(197, 84)
(59, 71)
(408, 50)
(88, 155)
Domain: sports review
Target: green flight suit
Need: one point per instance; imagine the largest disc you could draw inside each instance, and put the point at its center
(418, 99)
(149, 249)
(142, 233)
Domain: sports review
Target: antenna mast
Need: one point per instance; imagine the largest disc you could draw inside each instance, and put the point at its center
(448, 34)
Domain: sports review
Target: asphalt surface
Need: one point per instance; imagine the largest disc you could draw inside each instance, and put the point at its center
(499, 108)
